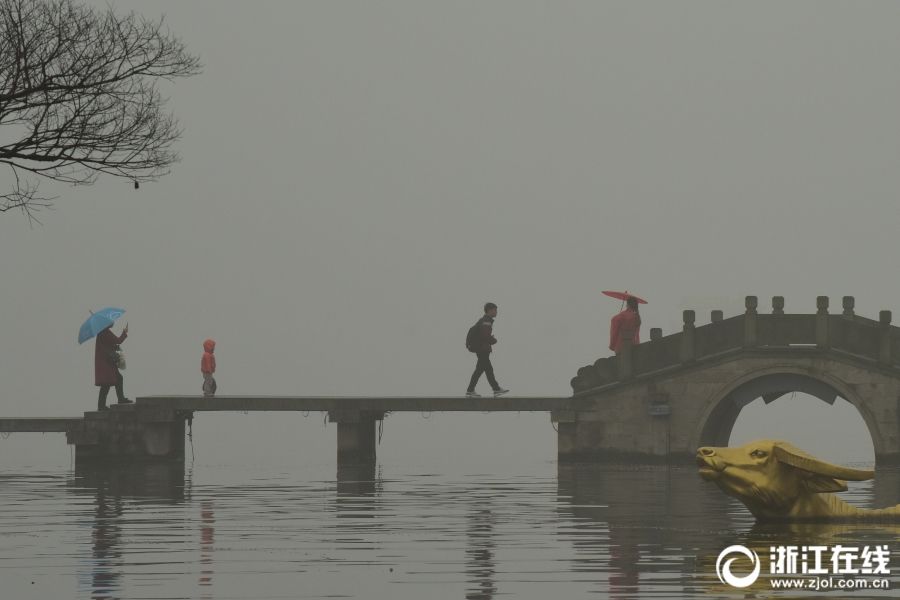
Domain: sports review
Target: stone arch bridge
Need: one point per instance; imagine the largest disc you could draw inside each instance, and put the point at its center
(666, 397)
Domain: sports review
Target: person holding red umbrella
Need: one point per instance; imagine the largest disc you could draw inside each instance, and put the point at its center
(627, 324)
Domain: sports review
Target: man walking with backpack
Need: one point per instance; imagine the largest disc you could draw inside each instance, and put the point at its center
(479, 340)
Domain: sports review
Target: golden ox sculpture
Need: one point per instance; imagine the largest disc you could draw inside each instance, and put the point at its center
(777, 481)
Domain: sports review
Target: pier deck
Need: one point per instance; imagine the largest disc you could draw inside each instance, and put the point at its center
(153, 427)
(350, 403)
(39, 424)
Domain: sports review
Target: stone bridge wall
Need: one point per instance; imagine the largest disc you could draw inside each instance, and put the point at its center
(664, 398)
(877, 341)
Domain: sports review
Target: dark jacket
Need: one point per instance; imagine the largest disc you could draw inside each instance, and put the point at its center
(485, 338)
(104, 370)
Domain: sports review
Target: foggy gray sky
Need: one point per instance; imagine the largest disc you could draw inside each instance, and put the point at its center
(359, 178)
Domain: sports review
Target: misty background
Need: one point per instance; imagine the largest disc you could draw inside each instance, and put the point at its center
(358, 178)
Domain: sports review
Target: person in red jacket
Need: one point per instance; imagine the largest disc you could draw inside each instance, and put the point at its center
(106, 365)
(625, 325)
(208, 367)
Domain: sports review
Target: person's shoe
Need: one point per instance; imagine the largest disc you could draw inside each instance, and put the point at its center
(101, 408)
(473, 395)
(500, 392)
(126, 401)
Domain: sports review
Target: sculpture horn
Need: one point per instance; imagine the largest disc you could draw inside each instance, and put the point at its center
(795, 457)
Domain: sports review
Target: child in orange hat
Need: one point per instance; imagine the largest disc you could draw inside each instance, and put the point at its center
(208, 367)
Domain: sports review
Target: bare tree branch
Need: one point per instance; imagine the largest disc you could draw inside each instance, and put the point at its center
(78, 96)
(24, 197)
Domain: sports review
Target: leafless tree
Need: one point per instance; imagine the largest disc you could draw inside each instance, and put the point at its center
(79, 97)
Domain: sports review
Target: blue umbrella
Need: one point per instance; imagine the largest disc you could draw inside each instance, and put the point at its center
(97, 322)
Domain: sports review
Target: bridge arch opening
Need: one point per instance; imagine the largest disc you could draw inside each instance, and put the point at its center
(804, 410)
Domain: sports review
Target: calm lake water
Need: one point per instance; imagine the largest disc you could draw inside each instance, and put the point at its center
(508, 525)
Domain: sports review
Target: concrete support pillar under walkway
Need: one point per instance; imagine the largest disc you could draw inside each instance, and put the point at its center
(355, 435)
(566, 429)
(126, 434)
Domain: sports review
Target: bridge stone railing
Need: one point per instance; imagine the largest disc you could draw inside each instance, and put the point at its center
(877, 341)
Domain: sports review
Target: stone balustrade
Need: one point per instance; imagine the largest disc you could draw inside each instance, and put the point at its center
(845, 332)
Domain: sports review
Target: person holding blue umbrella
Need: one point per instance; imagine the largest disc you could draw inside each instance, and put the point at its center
(106, 352)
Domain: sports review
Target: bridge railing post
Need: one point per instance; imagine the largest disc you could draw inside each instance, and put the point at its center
(884, 349)
(688, 338)
(777, 305)
(848, 303)
(750, 328)
(822, 321)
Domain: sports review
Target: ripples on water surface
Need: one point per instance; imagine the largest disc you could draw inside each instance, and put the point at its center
(502, 527)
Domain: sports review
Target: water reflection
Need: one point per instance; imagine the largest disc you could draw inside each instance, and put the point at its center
(571, 531)
(207, 541)
(354, 481)
(629, 520)
(160, 481)
(356, 505)
(105, 545)
(111, 485)
(659, 530)
(480, 543)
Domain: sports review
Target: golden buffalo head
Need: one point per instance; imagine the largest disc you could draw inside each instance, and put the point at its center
(774, 479)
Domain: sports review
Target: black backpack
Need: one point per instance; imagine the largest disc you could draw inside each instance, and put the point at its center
(472, 337)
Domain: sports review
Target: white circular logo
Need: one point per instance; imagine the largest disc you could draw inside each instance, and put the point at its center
(724, 572)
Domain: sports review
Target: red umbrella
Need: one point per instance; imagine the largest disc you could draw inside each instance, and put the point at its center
(623, 296)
